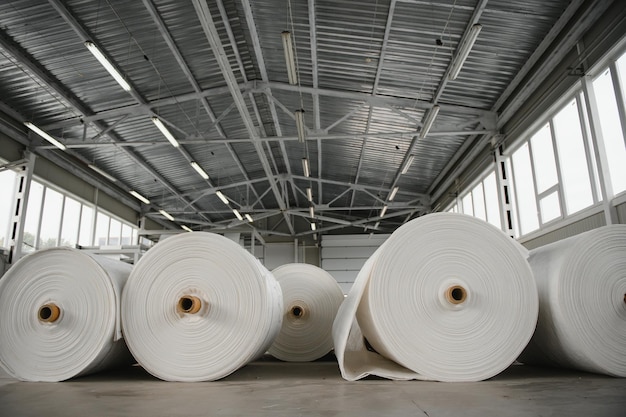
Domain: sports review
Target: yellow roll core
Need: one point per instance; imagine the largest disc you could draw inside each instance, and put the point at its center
(189, 304)
(49, 313)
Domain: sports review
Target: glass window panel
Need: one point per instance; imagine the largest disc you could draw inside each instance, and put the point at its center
(611, 130)
(31, 224)
(550, 207)
(102, 229)
(127, 234)
(134, 237)
(572, 159)
(492, 202)
(478, 200)
(86, 225)
(523, 182)
(594, 165)
(7, 185)
(468, 208)
(71, 217)
(543, 158)
(51, 219)
(115, 232)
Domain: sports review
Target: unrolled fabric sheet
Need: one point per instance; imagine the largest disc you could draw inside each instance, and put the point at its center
(447, 297)
(60, 315)
(311, 298)
(582, 302)
(197, 307)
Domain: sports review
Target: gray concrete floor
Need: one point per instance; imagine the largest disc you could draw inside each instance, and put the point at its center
(271, 388)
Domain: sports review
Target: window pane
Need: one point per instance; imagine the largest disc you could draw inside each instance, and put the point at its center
(127, 234)
(86, 221)
(134, 240)
(7, 185)
(572, 159)
(611, 130)
(102, 229)
(479, 202)
(550, 207)
(543, 158)
(51, 219)
(69, 228)
(468, 208)
(31, 224)
(523, 181)
(115, 232)
(594, 165)
(491, 199)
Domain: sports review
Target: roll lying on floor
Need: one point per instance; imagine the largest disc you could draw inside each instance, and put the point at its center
(447, 297)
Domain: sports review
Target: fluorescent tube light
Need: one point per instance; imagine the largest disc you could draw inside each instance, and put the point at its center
(107, 65)
(186, 228)
(101, 172)
(139, 197)
(249, 217)
(165, 132)
(312, 212)
(309, 194)
(407, 165)
(376, 225)
(289, 58)
(305, 167)
(383, 211)
(237, 214)
(222, 197)
(428, 122)
(199, 170)
(166, 215)
(300, 126)
(463, 51)
(45, 135)
(313, 226)
(393, 193)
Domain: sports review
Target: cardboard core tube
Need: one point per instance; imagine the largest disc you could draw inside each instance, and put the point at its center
(456, 294)
(297, 311)
(189, 304)
(624, 297)
(49, 313)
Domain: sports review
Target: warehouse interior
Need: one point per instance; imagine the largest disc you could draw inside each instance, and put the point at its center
(308, 131)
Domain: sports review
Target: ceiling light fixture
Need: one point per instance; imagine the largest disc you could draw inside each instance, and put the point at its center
(300, 126)
(165, 132)
(249, 217)
(101, 172)
(166, 215)
(309, 194)
(199, 170)
(107, 65)
(186, 228)
(139, 196)
(45, 135)
(393, 193)
(383, 211)
(237, 214)
(407, 165)
(376, 225)
(289, 58)
(312, 212)
(313, 226)
(305, 167)
(428, 122)
(222, 197)
(463, 51)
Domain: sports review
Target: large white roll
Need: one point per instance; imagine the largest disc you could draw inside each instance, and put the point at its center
(311, 298)
(447, 297)
(582, 302)
(59, 315)
(197, 307)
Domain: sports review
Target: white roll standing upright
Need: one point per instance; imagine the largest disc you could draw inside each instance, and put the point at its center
(311, 298)
(447, 297)
(582, 302)
(60, 315)
(197, 307)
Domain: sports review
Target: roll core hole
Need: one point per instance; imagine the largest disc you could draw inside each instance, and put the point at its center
(625, 298)
(456, 294)
(189, 304)
(297, 311)
(49, 313)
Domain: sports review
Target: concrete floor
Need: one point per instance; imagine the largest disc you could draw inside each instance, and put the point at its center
(271, 388)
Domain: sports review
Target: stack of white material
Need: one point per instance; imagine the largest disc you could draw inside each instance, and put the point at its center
(197, 307)
(311, 298)
(448, 297)
(59, 315)
(582, 294)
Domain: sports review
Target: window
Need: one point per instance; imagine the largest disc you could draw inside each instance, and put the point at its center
(7, 185)
(31, 224)
(71, 222)
(466, 202)
(524, 190)
(86, 226)
(492, 203)
(478, 201)
(102, 229)
(115, 232)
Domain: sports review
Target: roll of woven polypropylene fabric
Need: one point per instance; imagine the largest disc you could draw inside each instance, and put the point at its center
(311, 298)
(447, 297)
(582, 302)
(197, 307)
(59, 315)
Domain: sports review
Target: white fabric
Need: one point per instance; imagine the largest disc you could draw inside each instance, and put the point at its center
(240, 316)
(582, 293)
(399, 300)
(86, 338)
(311, 298)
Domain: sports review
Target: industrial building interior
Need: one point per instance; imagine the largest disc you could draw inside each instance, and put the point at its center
(308, 131)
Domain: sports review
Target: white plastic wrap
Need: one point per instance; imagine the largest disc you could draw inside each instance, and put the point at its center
(197, 307)
(311, 298)
(447, 297)
(59, 315)
(582, 302)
